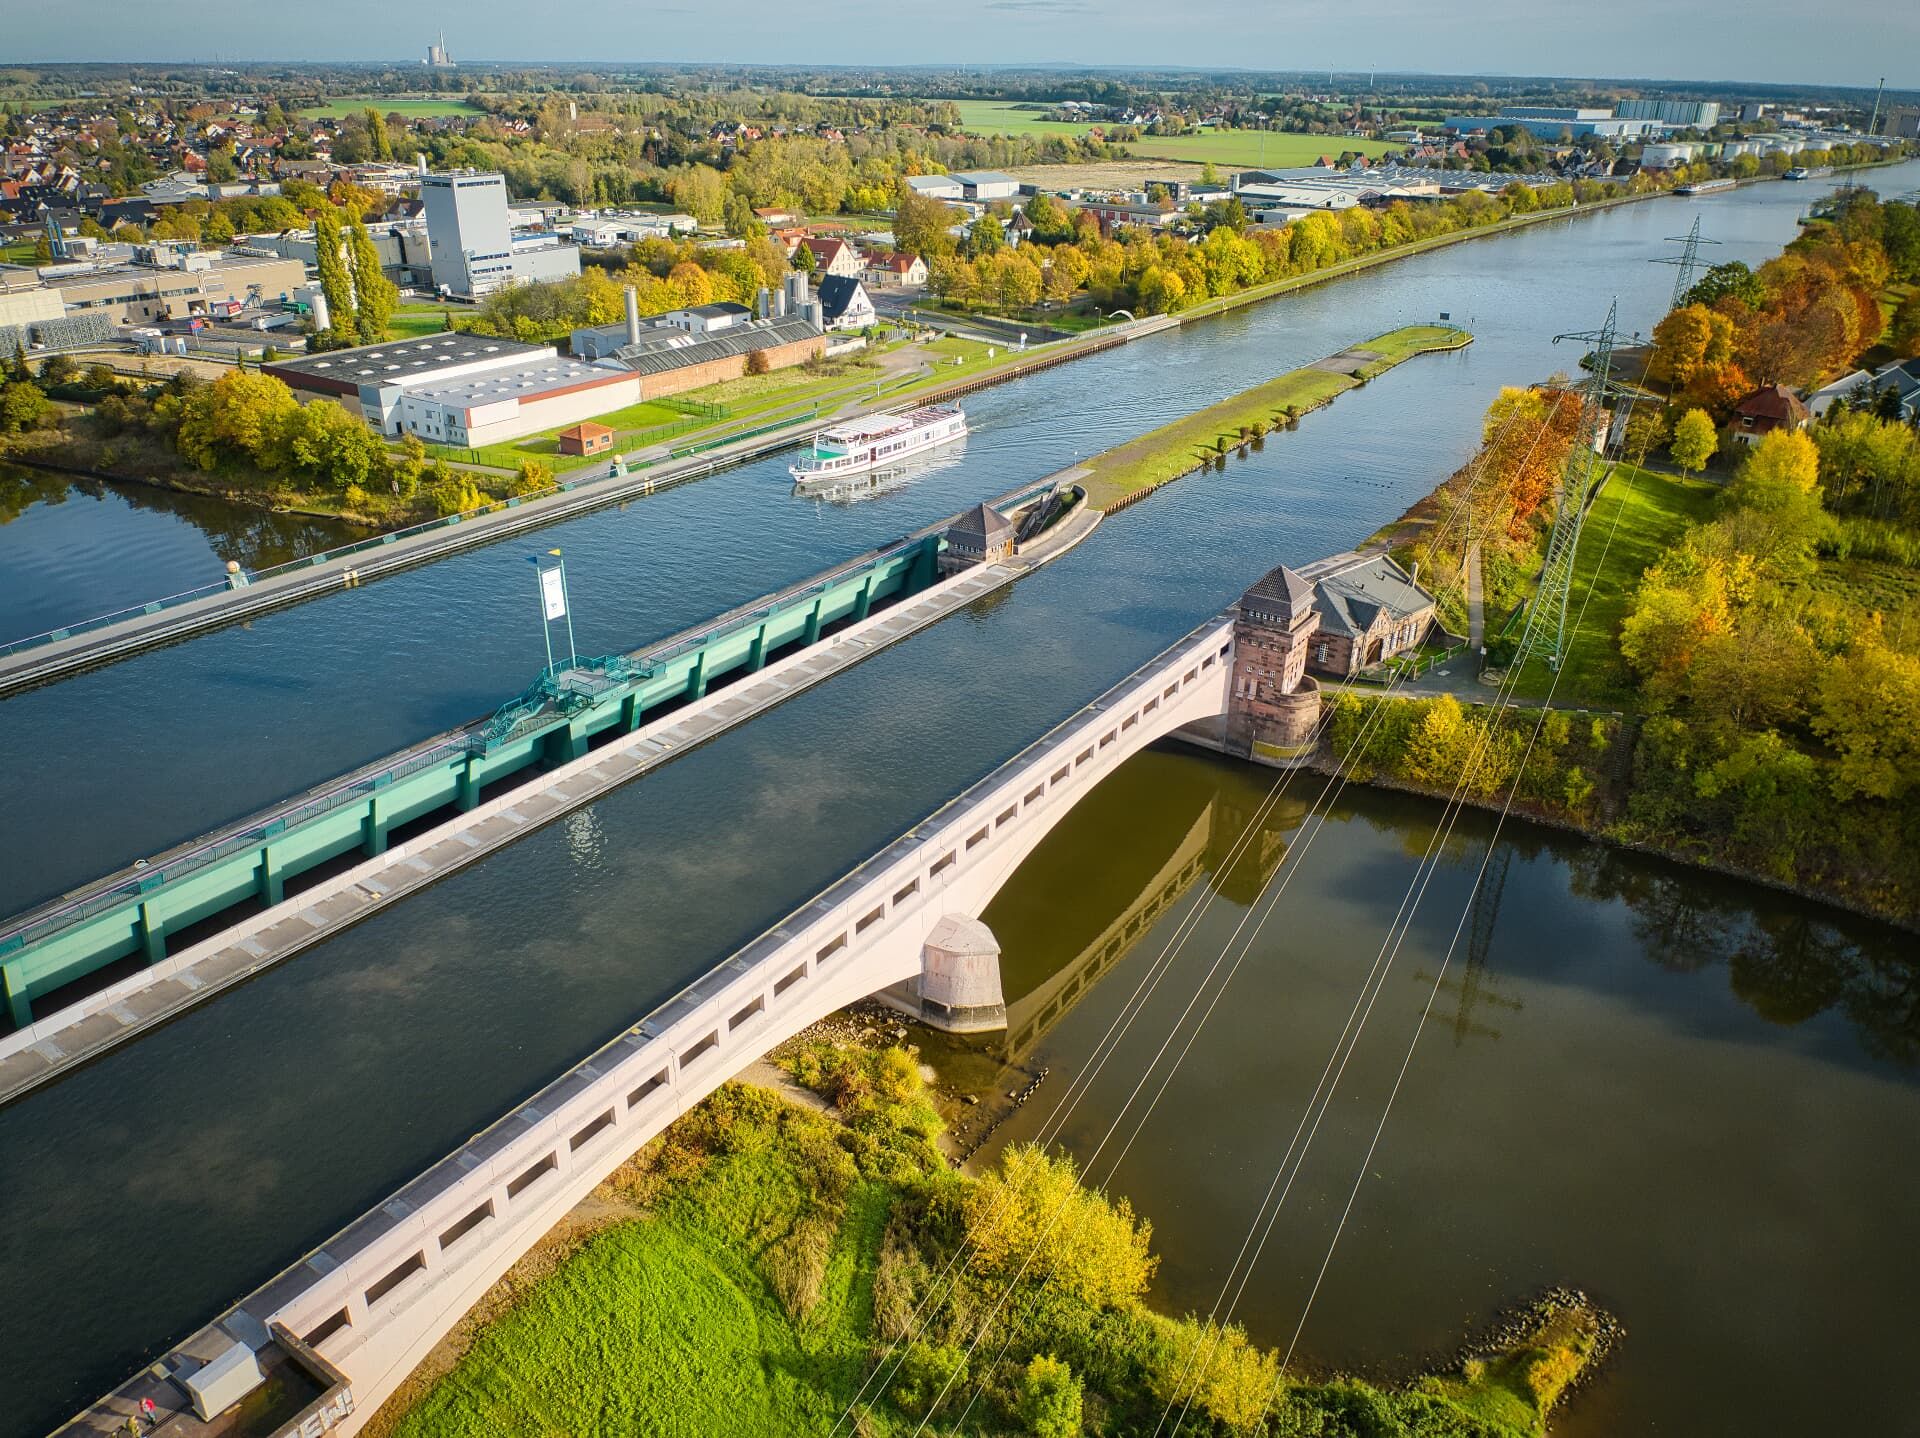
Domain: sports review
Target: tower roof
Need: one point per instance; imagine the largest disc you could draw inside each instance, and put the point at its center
(1280, 593)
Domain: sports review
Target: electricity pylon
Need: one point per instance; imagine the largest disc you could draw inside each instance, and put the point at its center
(1546, 628)
(1688, 261)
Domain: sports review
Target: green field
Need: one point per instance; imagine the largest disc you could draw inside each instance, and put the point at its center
(413, 109)
(1240, 148)
(412, 321)
(1633, 521)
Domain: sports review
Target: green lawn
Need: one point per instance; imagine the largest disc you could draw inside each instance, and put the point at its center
(20, 253)
(1241, 148)
(1637, 515)
(1176, 448)
(412, 321)
(416, 109)
(647, 422)
(666, 1327)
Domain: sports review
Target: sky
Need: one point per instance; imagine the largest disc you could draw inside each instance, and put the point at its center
(1844, 42)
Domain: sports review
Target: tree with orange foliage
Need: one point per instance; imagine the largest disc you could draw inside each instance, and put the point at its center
(1528, 433)
(1690, 339)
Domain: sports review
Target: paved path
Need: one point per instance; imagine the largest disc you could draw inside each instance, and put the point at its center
(1476, 628)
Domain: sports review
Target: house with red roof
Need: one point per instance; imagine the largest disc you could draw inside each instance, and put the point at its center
(1768, 408)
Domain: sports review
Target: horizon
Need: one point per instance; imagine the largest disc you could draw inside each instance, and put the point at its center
(1744, 45)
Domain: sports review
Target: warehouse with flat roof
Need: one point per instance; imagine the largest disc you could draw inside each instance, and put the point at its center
(503, 404)
(370, 380)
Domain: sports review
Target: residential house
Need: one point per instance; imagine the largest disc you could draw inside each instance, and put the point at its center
(1903, 379)
(833, 257)
(1846, 387)
(902, 271)
(844, 303)
(1769, 408)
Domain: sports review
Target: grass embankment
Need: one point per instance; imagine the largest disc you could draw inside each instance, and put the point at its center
(1636, 516)
(745, 1274)
(1188, 444)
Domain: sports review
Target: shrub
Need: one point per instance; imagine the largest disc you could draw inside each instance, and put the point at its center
(1050, 1399)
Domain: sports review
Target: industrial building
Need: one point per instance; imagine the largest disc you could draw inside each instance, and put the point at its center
(503, 404)
(157, 283)
(372, 379)
(688, 349)
(474, 249)
(1549, 122)
(1679, 114)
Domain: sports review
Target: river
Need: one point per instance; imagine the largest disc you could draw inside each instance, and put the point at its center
(142, 1193)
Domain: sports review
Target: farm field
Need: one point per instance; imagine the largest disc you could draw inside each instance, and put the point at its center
(427, 109)
(1246, 148)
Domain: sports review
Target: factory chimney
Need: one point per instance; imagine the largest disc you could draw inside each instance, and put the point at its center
(633, 316)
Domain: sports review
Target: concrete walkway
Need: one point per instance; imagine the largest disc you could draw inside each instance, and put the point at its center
(89, 1028)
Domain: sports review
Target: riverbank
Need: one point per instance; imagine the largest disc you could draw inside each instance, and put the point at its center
(1129, 472)
(774, 1264)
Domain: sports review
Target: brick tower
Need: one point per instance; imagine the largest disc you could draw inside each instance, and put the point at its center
(1274, 707)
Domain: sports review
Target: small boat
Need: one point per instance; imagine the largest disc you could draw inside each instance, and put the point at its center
(1703, 187)
(876, 441)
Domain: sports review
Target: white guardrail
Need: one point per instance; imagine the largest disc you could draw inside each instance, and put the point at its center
(377, 1296)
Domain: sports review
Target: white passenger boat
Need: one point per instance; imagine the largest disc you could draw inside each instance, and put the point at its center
(1703, 187)
(878, 441)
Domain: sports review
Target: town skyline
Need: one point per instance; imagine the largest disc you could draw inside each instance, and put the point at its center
(1769, 45)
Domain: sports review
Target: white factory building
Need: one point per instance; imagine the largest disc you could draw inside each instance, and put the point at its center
(515, 400)
(460, 389)
(474, 248)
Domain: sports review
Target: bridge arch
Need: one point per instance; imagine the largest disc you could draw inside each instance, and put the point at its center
(373, 1300)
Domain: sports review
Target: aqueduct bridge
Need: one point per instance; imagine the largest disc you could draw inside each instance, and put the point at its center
(361, 1311)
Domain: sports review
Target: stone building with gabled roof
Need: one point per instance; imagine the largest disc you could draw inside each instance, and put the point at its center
(1369, 609)
(1336, 616)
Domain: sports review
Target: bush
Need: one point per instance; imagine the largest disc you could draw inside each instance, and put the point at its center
(1050, 1399)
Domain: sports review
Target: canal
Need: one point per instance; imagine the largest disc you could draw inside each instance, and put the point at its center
(1691, 1098)
(382, 666)
(146, 1191)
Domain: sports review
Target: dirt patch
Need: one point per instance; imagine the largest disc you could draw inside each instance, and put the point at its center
(1347, 362)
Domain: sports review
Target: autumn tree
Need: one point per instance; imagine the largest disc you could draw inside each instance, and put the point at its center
(1689, 340)
(374, 295)
(921, 224)
(1050, 1398)
(336, 280)
(1032, 1217)
(1695, 441)
(1867, 707)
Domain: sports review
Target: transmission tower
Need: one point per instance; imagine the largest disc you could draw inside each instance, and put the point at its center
(1687, 261)
(1546, 628)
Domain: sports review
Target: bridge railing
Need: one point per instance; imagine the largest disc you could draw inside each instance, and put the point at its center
(470, 1215)
(39, 923)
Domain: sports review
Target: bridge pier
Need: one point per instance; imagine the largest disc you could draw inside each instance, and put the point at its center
(958, 990)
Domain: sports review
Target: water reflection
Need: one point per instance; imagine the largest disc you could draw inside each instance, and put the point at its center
(1691, 1096)
(1138, 846)
(71, 549)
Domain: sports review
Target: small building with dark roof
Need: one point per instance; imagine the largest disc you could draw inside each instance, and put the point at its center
(1769, 408)
(1367, 609)
(983, 535)
(844, 303)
